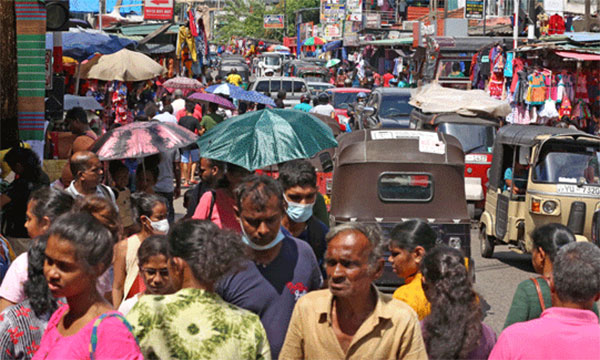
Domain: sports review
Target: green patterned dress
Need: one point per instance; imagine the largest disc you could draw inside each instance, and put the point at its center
(196, 324)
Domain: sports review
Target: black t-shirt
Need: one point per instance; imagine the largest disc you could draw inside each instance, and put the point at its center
(192, 124)
(279, 104)
(13, 215)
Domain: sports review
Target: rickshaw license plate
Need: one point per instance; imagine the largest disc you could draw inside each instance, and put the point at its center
(574, 189)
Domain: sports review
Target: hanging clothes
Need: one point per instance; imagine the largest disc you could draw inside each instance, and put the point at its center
(184, 37)
(556, 25)
(192, 23)
(581, 91)
(569, 81)
(518, 66)
(521, 87)
(565, 108)
(508, 69)
(536, 92)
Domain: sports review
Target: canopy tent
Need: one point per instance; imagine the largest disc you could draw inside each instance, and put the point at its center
(578, 56)
(80, 44)
(332, 45)
(92, 6)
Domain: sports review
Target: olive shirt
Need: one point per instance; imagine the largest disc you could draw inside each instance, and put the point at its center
(391, 331)
(412, 293)
(526, 303)
(209, 121)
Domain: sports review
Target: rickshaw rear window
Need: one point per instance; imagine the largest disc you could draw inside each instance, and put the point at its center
(409, 187)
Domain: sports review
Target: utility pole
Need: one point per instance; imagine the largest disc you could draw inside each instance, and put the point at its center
(285, 18)
(516, 24)
(588, 20)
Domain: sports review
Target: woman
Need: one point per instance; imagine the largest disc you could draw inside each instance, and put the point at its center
(409, 242)
(217, 206)
(152, 257)
(529, 302)
(200, 254)
(44, 206)
(13, 202)
(454, 329)
(79, 249)
(145, 178)
(150, 212)
(39, 306)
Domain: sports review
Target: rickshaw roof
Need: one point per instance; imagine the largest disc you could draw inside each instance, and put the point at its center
(528, 135)
(439, 118)
(399, 146)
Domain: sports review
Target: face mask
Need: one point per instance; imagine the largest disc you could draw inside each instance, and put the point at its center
(254, 246)
(297, 212)
(161, 226)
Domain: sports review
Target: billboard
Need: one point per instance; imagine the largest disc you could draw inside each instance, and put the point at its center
(474, 9)
(273, 22)
(158, 9)
(354, 11)
(332, 11)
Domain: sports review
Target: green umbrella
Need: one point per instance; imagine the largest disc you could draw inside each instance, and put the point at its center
(258, 139)
(332, 62)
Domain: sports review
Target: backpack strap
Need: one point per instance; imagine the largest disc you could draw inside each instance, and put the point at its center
(213, 199)
(94, 338)
(539, 293)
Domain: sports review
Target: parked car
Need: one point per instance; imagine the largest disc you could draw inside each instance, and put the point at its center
(555, 176)
(293, 86)
(386, 108)
(385, 177)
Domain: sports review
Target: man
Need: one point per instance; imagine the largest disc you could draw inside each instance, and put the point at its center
(234, 78)
(211, 171)
(190, 154)
(166, 115)
(569, 329)
(87, 174)
(324, 107)
(179, 103)
(304, 104)
(168, 166)
(211, 119)
(298, 179)
(281, 270)
(279, 104)
(387, 77)
(352, 319)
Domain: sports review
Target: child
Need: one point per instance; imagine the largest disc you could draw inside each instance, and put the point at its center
(120, 179)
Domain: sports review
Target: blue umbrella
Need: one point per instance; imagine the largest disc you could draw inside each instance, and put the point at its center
(232, 91)
(81, 44)
(256, 97)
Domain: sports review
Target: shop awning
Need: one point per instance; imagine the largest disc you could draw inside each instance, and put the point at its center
(332, 45)
(389, 42)
(579, 56)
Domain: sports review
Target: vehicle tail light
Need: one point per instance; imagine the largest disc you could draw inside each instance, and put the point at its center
(536, 206)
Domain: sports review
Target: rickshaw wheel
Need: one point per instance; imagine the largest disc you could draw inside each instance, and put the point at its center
(486, 243)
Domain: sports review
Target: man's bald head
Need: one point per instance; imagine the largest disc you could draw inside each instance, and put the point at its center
(80, 162)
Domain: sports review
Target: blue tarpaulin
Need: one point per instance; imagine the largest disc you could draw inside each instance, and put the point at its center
(92, 6)
(582, 37)
(332, 45)
(80, 45)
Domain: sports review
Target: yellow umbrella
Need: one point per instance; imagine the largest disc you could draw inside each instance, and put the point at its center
(124, 65)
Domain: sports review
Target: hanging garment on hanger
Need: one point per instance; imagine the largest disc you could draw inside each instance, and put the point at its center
(518, 65)
(565, 107)
(581, 91)
(569, 81)
(508, 68)
(536, 93)
(192, 23)
(184, 37)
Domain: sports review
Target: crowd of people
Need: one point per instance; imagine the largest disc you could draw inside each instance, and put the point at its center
(252, 271)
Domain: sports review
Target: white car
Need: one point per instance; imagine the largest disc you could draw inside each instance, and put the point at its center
(294, 87)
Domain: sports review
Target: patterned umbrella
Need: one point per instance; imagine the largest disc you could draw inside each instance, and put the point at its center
(261, 138)
(278, 48)
(256, 97)
(140, 139)
(182, 82)
(232, 91)
(314, 41)
(222, 102)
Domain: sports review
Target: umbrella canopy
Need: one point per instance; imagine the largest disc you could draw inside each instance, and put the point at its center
(278, 48)
(256, 97)
(182, 82)
(314, 41)
(85, 102)
(332, 62)
(80, 44)
(266, 137)
(226, 89)
(124, 65)
(221, 101)
(140, 139)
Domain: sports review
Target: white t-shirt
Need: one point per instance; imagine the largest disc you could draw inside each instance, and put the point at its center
(178, 105)
(101, 190)
(326, 110)
(166, 117)
(12, 288)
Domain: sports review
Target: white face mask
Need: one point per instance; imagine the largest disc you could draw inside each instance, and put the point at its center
(161, 226)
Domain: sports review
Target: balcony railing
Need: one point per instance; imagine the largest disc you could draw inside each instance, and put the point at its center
(379, 19)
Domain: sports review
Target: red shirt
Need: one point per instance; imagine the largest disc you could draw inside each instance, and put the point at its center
(386, 79)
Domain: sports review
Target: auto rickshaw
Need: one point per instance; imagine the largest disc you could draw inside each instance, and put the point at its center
(476, 135)
(386, 177)
(553, 177)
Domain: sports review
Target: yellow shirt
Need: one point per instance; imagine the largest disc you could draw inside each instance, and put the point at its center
(392, 331)
(412, 293)
(234, 79)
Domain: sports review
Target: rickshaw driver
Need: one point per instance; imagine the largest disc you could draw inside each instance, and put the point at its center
(516, 180)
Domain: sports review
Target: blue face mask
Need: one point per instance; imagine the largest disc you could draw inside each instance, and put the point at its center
(298, 212)
(255, 246)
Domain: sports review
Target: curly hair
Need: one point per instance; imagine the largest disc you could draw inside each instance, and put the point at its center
(36, 287)
(209, 251)
(103, 210)
(453, 328)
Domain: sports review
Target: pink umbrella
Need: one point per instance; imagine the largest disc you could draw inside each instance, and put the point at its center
(140, 139)
(181, 82)
(221, 101)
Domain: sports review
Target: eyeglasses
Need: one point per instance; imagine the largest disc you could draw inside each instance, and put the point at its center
(164, 272)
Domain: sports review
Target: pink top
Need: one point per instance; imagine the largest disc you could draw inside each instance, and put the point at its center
(13, 285)
(559, 333)
(115, 341)
(223, 215)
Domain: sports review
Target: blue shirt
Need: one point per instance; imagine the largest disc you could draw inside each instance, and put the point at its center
(303, 107)
(271, 291)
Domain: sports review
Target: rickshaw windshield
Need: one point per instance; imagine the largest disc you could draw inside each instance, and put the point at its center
(562, 163)
(272, 60)
(473, 138)
(342, 99)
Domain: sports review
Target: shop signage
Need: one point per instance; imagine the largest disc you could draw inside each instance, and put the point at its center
(351, 33)
(158, 9)
(332, 11)
(354, 10)
(373, 21)
(333, 31)
(273, 22)
(474, 9)
(306, 31)
(554, 6)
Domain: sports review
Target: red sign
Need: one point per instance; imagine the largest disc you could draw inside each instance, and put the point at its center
(158, 9)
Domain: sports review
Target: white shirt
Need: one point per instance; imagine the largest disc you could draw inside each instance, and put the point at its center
(326, 110)
(75, 194)
(128, 304)
(166, 117)
(178, 105)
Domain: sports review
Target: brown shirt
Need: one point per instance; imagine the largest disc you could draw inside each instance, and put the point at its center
(392, 331)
